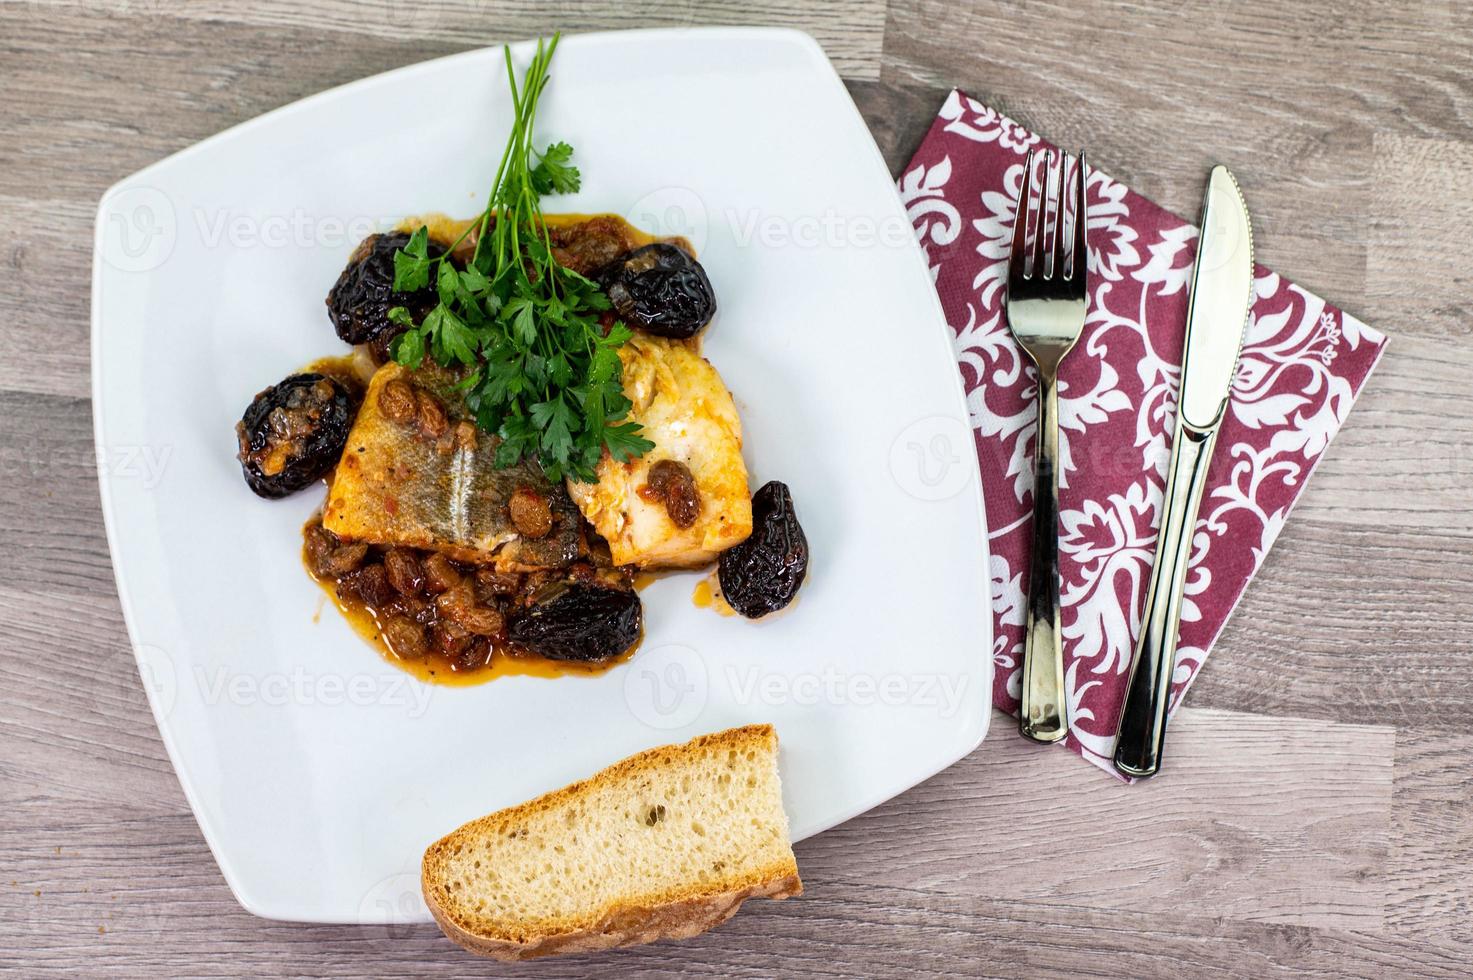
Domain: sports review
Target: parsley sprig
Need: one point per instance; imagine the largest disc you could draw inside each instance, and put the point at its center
(540, 371)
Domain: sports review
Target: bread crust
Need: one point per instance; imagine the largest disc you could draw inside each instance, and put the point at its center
(624, 926)
(679, 914)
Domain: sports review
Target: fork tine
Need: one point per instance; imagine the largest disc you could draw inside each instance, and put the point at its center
(1080, 263)
(1016, 268)
(1061, 207)
(1038, 271)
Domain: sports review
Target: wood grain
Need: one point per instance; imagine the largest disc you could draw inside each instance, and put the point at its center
(1317, 815)
(851, 31)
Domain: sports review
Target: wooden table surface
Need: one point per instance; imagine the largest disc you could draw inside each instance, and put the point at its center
(1316, 815)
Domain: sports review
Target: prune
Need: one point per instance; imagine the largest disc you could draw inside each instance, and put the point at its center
(763, 573)
(293, 433)
(359, 302)
(661, 290)
(568, 621)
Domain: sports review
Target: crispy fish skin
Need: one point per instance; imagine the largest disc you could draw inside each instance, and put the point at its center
(686, 410)
(394, 486)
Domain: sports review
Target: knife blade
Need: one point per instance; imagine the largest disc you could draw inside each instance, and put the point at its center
(1218, 305)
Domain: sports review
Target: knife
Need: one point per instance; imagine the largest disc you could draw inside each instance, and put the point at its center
(1220, 297)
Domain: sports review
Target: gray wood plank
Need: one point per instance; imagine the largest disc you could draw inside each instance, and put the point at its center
(1316, 819)
(851, 31)
(1139, 852)
(1293, 801)
(1292, 97)
(1431, 837)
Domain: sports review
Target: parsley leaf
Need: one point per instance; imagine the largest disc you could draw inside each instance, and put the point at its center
(625, 441)
(542, 372)
(553, 173)
(412, 263)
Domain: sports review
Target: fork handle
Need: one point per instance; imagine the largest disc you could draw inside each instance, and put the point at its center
(1141, 735)
(1043, 716)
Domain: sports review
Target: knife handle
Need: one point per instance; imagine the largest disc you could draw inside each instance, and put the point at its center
(1141, 734)
(1043, 715)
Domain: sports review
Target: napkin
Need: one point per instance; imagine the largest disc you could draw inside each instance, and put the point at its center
(1303, 363)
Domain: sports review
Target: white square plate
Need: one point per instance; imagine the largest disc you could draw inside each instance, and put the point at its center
(318, 771)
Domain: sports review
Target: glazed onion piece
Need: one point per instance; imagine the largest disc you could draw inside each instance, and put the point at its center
(763, 573)
(293, 433)
(661, 290)
(576, 621)
(359, 302)
(588, 246)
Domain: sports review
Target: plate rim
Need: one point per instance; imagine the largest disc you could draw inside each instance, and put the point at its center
(820, 62)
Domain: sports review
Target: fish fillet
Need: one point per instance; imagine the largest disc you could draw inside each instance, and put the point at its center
(393, 486)
(686, 410)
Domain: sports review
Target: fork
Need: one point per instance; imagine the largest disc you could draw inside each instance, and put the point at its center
(1046, 314)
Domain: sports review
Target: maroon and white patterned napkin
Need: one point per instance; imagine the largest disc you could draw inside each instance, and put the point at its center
(1303, 363)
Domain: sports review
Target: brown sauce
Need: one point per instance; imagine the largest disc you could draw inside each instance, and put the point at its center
(707, 595)
(481, 660)
(447, 230)
(354, 370)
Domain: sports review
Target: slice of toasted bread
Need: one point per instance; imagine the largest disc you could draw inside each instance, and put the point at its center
(666, 844)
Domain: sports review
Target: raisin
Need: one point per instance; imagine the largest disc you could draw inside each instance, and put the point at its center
(422, 611)
(530, 512)
(433, 422)
(492, 584)
(477, 654)
(396, 400)
(327, 556)
(459, 604)
(449, 638)
(368, 585)
(405, 637)
(405, 572)
(441, 575)
(671, 481)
